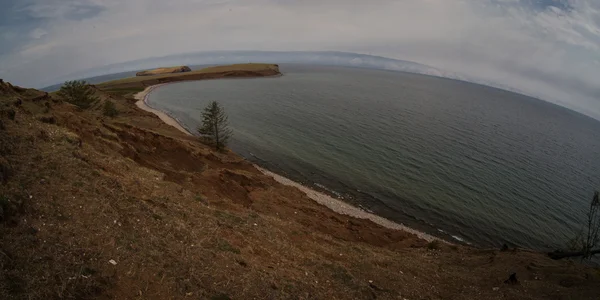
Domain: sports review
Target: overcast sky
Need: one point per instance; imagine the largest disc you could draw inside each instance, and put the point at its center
(545, 48)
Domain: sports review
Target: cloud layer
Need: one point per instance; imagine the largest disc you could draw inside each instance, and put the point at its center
(549, 48)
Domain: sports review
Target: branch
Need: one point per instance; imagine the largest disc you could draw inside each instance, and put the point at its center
(561, 254)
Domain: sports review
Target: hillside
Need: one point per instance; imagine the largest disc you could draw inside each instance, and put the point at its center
(131, 208)
(168, 70)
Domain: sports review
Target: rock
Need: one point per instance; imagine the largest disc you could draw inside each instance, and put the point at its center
(178, 69)
(32, 230)
(512, 279)
(6, 170)
(373, 286)
(48, 119)
(112, 262)
(43, 134)
(495, 288)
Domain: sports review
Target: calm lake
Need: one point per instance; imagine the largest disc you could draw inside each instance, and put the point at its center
(458, 160)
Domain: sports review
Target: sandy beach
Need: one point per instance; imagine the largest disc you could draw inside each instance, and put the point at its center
(334, 204)
(142, 97)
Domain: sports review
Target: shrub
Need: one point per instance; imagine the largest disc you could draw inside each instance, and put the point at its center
(433, 245)
(109, 109)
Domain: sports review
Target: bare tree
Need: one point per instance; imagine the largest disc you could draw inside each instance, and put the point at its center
(593, 227)
(588, 243)
(215, 125)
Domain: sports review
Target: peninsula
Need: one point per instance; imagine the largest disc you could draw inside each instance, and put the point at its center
(216, 72)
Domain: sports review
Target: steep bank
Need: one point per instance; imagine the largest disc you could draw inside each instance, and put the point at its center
(129, 207)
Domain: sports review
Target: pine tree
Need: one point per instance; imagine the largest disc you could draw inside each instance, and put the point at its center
(215, 125)
(78, 93)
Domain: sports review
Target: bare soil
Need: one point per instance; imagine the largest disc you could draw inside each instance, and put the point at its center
(131, 208)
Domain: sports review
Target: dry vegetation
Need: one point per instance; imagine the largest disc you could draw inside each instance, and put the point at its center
(80, 191)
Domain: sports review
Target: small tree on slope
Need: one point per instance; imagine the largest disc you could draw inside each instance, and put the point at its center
(78, 93)
(592, 238)
(215, 126)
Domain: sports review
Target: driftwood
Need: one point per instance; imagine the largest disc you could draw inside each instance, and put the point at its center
(561, 254)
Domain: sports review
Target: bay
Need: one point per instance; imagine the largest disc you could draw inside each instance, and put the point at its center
(459, 160)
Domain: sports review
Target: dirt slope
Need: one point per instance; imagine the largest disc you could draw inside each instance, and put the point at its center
(131, 208)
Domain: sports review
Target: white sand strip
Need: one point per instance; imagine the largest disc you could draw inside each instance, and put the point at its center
(344, 208)
(142, 97)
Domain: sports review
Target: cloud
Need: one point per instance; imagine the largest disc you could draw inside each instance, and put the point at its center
(543, 48)
(37, 33)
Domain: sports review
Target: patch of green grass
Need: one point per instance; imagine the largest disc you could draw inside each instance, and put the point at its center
(225, 246)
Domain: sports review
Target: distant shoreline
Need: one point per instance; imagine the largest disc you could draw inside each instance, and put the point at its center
(334, 204)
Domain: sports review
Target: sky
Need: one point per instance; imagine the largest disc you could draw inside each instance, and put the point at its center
(549, 49)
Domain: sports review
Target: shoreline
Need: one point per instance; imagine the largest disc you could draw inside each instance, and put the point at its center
(336, 205)
(142, 103)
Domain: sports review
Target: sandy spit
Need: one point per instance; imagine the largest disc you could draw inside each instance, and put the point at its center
(334, 204)
(142, 103)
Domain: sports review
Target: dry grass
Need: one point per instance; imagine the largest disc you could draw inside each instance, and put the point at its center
(183, 222)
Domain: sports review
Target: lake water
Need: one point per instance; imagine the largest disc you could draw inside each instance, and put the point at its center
(454, 159)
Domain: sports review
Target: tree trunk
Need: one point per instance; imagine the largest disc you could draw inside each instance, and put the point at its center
(217, 136)
(561, 255)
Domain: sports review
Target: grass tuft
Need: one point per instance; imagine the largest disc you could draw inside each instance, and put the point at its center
(433, 245)
(225, 246)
